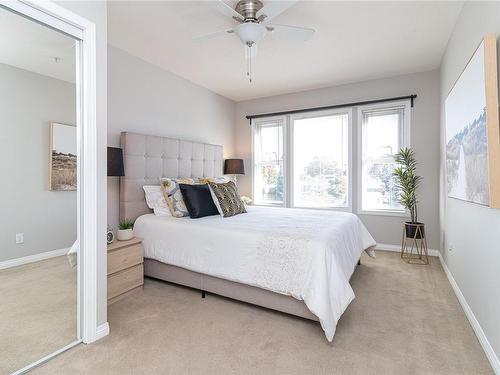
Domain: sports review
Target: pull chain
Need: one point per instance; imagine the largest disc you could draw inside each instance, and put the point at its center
(250, 66)
(249, 62)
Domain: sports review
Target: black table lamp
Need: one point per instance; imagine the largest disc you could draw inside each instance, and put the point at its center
(234, 167)
(115, 168)
(115, 162)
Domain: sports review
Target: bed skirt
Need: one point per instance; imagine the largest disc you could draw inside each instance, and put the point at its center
(225, 288)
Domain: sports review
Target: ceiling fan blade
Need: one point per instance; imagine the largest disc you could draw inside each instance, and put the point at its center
(216, 34)
(294, 33)
(226, 10)
(273, 9)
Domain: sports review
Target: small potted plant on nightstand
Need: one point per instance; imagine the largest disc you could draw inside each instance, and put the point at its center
(408, 181)
(125, 232)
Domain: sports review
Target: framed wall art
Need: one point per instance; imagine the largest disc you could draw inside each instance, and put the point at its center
(473, 130)
(62, 157)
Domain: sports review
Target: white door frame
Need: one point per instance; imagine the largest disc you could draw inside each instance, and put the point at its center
(61, 19)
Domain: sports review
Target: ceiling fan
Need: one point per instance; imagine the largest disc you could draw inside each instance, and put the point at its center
(253, 25)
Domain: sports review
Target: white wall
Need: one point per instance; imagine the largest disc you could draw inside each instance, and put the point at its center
(424, 139)
(146, 99)
(472, 230)
(47, 218)
(96, 12)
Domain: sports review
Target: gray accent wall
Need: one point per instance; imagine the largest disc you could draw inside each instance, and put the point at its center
(424, 139)
(470, 233)
(30, 101)
(146, 99)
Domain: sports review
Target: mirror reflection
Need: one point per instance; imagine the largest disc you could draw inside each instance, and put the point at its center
(38, 198)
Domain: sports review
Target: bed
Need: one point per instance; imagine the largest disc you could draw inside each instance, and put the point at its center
(291, 260)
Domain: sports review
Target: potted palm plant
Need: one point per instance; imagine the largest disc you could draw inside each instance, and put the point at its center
(407, 182)
(125, 231)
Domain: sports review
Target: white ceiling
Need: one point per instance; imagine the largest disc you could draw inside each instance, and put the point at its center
(354, 41)
(28, 45)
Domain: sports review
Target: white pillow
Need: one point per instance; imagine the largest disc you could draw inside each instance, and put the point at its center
(155, 200)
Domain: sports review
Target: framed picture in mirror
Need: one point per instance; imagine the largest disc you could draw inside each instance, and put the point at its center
(62, 157)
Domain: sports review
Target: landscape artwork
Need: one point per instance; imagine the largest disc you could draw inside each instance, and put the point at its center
(62, 164)
(467, 135)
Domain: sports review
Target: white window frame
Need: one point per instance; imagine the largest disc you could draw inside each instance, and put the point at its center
(406, 105)
(266, 122)
(309, 115)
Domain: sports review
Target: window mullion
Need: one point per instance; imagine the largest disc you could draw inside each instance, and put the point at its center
(288, 150)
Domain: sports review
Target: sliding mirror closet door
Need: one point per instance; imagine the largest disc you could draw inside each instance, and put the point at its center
(38, 191)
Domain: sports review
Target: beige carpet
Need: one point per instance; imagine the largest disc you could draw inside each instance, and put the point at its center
(37, 311)
(405, 320)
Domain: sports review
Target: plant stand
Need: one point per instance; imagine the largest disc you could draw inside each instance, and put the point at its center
(414, 249)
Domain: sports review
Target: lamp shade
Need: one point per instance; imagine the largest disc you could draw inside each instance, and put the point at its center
(115, 162)
(234, 166)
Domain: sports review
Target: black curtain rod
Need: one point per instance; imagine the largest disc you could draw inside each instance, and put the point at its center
(411, 97)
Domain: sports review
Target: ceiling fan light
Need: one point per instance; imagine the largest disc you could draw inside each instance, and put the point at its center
(250, 32)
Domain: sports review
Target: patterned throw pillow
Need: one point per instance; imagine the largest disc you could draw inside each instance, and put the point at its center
(173, 195)
(227, 199)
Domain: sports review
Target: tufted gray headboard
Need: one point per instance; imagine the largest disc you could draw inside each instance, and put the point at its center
(148, 158)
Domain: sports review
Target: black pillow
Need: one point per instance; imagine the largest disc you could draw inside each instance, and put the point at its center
(198, 200)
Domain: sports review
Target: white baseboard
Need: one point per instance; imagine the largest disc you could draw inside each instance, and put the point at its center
(102, 331)
(397, 248)
(33, 258)
(483, 340)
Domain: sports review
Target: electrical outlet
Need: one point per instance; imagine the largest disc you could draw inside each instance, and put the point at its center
(19, 238)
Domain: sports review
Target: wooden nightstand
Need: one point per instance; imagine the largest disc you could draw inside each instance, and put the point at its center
(125, 268)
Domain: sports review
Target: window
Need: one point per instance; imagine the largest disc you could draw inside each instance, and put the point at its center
(269, 184)
(383, 131)
(304, 160)
(320, 161)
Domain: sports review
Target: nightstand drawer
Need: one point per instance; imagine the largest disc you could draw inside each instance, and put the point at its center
(125, 280)
(124, 258)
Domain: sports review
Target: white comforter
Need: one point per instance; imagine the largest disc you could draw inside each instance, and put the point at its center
(307, 254)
